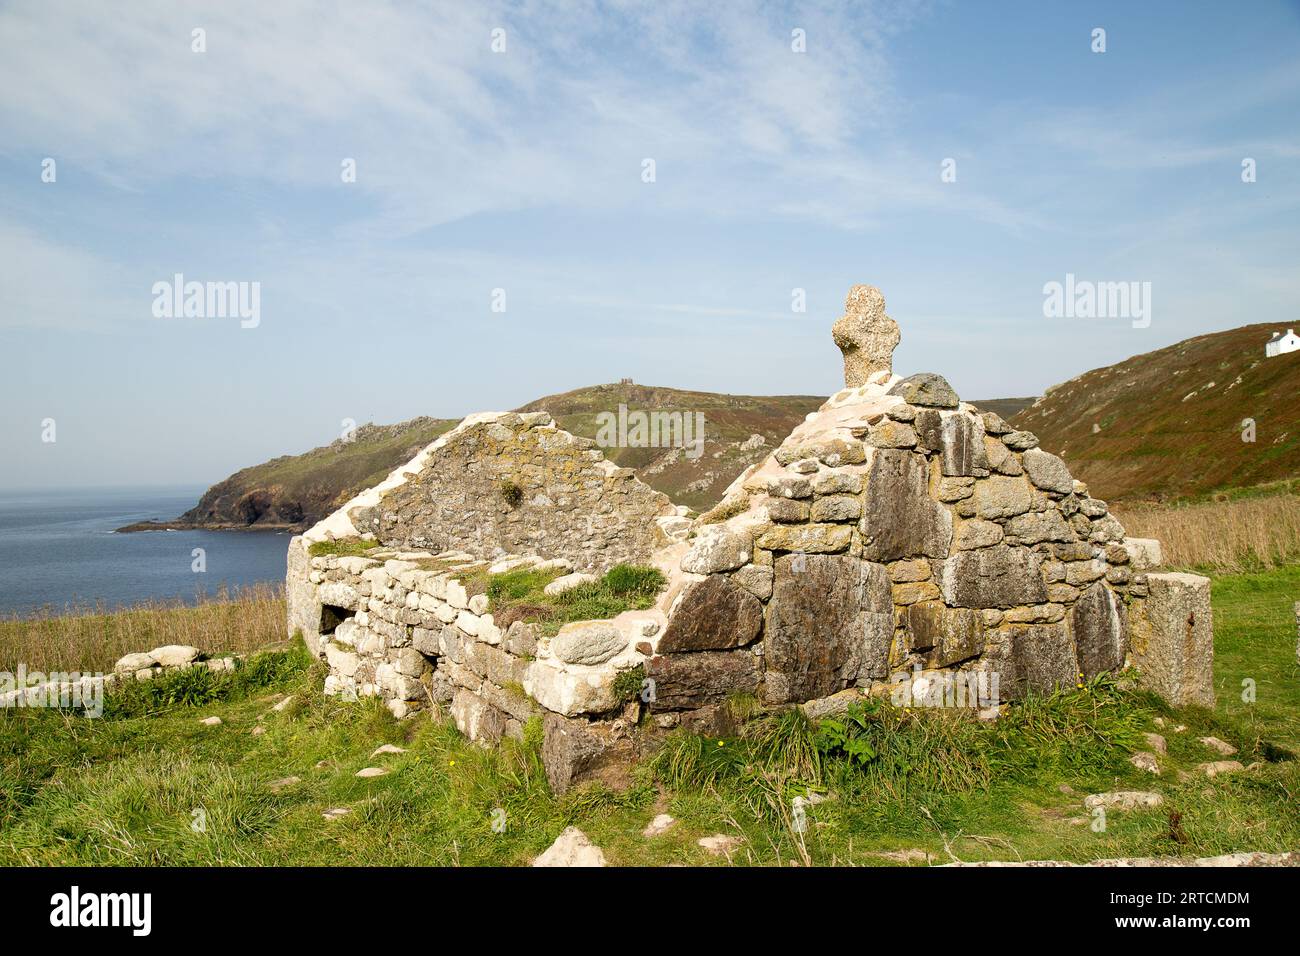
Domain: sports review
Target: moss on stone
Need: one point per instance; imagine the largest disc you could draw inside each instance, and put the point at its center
(627, 685)
(511, 493)
(520, 595)
(343, 547)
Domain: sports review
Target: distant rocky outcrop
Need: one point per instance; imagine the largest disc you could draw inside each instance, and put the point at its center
(293, 492)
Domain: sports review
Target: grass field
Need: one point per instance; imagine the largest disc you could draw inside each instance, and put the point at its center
(94, 639)
(133, 787)
(1224, 535)
(1255, 641)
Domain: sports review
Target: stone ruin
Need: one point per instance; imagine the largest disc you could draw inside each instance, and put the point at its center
(898, 538)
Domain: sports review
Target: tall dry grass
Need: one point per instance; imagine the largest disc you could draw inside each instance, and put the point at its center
(1245, 534)
(94, 639)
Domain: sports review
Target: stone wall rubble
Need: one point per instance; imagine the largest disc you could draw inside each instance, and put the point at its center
(401, 626)
(137, 666)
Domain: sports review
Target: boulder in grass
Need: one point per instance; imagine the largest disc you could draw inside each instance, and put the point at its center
(1222, 746)
(1123, 800)
(1214, 768)
(720, 844)
(175, 655)
(572, 848)
(132, 663)
(659, 825)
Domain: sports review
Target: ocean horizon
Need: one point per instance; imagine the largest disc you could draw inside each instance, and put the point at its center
(60, 552)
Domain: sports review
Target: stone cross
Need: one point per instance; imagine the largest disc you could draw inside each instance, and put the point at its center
(865, 335)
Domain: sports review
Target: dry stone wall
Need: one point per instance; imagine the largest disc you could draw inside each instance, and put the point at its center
(402, 626)
(499, 484)
(401, 622)
(408, 630)
(514, 483)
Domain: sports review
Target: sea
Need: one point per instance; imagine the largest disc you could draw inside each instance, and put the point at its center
(59, 552)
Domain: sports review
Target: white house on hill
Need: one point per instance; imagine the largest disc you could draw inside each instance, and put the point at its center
(1280, 344)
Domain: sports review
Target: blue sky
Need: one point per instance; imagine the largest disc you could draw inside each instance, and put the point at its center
(522, 170)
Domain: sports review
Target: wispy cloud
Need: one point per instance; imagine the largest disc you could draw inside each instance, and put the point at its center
(443, 128)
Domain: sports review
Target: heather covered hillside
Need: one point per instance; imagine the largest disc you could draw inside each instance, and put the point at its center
(1170, 423)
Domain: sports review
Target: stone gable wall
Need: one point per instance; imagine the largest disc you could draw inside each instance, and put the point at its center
(899, 531)
(498, 492)
(571, 505)
(516, 483)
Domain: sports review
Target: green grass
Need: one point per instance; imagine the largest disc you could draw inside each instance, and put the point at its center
(1255, 641)
(880, 754)
(198, 686)
(125, 789)
(628, 684)
(343, 547)
(946, 784)
(520, 595)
